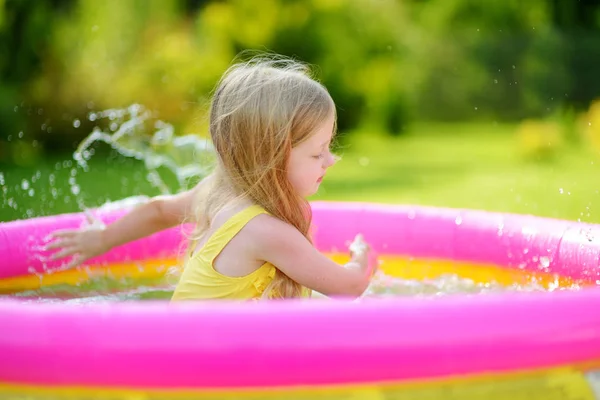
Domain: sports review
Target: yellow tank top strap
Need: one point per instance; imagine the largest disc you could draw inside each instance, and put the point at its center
(219, 239)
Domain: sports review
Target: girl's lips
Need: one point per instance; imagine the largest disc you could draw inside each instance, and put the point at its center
(320, 180)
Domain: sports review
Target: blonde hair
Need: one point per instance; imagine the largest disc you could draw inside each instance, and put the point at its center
(261, 109)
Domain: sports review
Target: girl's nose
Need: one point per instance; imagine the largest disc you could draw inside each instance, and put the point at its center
(331, 159)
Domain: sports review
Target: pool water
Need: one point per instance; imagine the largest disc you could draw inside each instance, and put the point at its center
(108, 288)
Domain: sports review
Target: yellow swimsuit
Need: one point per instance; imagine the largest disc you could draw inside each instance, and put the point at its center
(200, 280)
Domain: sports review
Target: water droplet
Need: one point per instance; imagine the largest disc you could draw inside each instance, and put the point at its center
(544, 262)
(76, 123)
(75, 189)
(560, 190)
(364, 161)
(92, 117)
(458, 220)
(495, 80)
(20, 135)
(500, 229)
(525, 250)
(1, 178)
(31, 192)
(475, 108)
(24, 184)
(411, 214)
(513, 67)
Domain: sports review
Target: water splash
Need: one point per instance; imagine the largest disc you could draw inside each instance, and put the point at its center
(135, 132)
(169, 163)
(447, 284)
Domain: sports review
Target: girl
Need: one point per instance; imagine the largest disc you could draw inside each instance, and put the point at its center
(272, 126)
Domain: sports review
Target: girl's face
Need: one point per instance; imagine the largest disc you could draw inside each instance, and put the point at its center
(310, 160)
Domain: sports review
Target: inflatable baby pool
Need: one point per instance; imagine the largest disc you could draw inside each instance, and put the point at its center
(539, 344)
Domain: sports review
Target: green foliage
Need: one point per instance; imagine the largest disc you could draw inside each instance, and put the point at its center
(386, 63)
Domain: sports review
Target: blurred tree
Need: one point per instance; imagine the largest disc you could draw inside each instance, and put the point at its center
(25, 27)
(487, 60)
(126, 52)
(579, 23)
(385, 62)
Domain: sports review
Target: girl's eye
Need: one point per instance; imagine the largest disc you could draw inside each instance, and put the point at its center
(322, 154)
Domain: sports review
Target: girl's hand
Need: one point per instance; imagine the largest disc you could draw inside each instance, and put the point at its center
(361, 253)
(359, 248)
(83, 243)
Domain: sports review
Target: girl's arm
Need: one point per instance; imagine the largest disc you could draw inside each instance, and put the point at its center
(286, 248)
(160, 213)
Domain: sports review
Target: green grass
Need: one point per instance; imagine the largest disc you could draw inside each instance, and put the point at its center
(466, 166)
(109, 178)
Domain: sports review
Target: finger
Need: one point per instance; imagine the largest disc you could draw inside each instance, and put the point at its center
(63, 233)
(89, 217)
(63, 253)
(68, 242)
(75, 262)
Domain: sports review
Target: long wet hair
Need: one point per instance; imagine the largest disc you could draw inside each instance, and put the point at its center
(260, 110)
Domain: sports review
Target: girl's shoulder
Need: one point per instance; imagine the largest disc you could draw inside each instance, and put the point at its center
(256, 222)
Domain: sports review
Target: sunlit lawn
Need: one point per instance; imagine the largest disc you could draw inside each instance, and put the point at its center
(467, 166)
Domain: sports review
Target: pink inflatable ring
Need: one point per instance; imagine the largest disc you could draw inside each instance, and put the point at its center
(491, 346)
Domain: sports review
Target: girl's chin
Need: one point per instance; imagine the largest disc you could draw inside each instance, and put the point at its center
(310, 191)
(313, 192)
